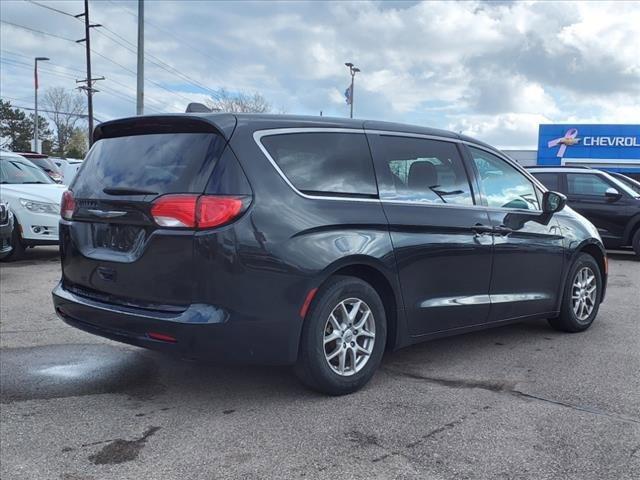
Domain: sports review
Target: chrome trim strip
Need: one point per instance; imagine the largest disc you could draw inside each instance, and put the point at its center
(107, 213)
(482, 299)
(518, 297)
(281, 131)
(425, 204)
(258, 134)
(414, 135)
(456, 301)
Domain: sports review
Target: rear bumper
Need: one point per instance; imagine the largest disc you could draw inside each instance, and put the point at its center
(203, 332)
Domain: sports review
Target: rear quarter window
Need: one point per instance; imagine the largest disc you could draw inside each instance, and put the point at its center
(324, 163)
(161, 163)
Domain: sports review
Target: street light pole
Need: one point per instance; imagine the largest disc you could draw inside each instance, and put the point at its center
(35, 118)
(352, 70)
(140, 72)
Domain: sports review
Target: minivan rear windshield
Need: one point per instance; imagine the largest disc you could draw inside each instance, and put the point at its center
(159, 163)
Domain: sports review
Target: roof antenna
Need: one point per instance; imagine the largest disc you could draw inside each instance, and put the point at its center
(195, 107)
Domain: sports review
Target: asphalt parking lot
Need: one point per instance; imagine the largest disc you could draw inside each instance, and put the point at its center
(521, 401)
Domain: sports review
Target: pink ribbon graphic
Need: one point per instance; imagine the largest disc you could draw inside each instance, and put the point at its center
(568, 139)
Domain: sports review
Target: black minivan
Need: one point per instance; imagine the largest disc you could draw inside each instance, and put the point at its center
(313, 242)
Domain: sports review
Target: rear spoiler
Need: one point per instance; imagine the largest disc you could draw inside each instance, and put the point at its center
(221, 123)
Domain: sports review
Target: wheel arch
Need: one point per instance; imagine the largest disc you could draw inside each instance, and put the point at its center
(386, 285)
(598, 252)
(632, 227)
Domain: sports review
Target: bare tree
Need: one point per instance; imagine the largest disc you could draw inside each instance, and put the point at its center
(241, 102)
(66, 108)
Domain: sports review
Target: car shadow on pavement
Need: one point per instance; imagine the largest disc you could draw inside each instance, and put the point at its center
(33, 256)
(623, 255)
(68, 370)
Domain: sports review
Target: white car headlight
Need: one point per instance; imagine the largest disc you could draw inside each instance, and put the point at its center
(40, 207)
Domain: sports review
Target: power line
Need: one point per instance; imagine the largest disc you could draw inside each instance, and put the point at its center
(71, 69)
(148, 80)
(51, 8)
(83, 115)
(173, 92)
(107, 91)
(15, 63)
(168, 32)
(38, 31)
(31, 59)
(149, 57)
(162, 64)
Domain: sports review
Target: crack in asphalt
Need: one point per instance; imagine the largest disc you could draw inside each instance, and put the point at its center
(421, 439)
(509, 389)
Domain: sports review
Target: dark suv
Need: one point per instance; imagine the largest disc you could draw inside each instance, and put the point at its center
(314, 242)
(610, 203)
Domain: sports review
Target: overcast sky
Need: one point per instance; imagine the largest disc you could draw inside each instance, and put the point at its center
(491, 70)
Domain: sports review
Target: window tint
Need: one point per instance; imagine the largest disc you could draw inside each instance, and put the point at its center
(162, 163)
(420, 170)
(324, 163)
(586, 184)
(628, 182)
(549, 180)
(19, 171)
(503, 186)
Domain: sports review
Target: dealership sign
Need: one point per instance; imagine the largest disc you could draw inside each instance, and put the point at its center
(589, 144)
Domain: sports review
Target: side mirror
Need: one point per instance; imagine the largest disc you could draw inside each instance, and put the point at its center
(612, 194)
(553, 202)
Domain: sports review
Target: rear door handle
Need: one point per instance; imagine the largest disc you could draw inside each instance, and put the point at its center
(479, 229)
(504, 231)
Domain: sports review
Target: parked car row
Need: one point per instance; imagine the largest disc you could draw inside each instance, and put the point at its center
(45, 163)
(34, 202)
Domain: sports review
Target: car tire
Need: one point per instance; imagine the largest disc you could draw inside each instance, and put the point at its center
(17, 247)
(580, 302)
(636, 243)
(336, 337)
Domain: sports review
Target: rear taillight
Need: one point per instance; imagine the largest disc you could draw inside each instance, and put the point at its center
(193, 211)
(67, 205)
(175, 211)
(212, 210)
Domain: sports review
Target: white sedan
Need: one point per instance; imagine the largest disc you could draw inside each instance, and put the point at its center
(34, 200)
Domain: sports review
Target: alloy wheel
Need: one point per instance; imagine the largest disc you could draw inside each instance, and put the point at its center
(583, 294)
(349, 336)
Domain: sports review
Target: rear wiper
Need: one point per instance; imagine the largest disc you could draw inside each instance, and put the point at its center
(127, 191)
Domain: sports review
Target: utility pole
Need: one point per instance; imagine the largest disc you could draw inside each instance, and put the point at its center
(88, 88)
(140, 74)
(352, 70)
(36, 146)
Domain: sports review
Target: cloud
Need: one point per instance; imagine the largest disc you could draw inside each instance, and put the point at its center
(508, 130)
(493, 69)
